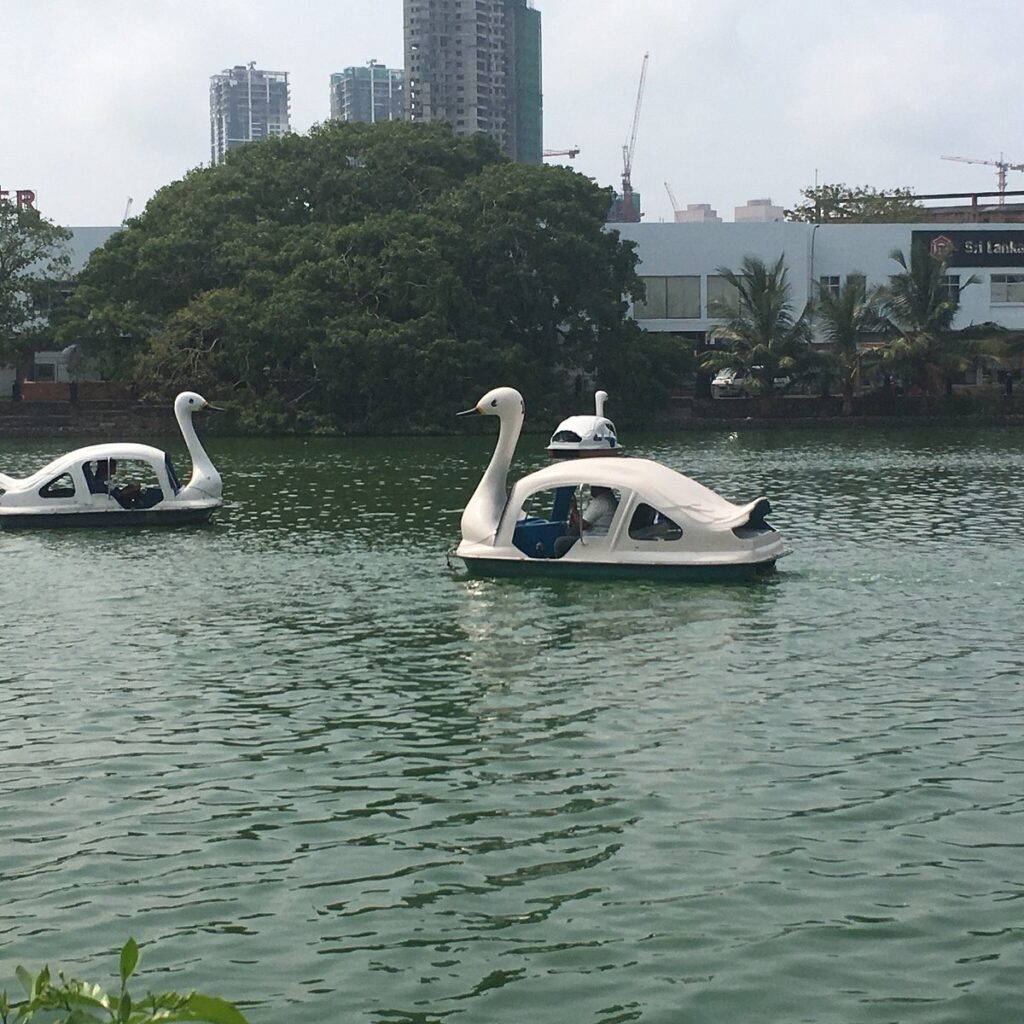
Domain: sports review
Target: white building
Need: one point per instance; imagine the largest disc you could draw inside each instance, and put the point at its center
(759, 211)
(679, 263)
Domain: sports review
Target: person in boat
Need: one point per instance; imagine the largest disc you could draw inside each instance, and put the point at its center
(100, 483)
(600, 510)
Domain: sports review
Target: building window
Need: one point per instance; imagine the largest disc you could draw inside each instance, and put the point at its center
(669, 298)
(949, 285)
(682, 298)
(1007, 288)
(654, 304)
(722, 296)
(830, 284)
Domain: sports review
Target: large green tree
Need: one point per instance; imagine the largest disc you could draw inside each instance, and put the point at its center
(765, 338)
(856, 204)
(364, 277)
(33, 261)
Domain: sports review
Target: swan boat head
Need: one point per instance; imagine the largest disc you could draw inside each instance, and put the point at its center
(205, 481)
(482, 514)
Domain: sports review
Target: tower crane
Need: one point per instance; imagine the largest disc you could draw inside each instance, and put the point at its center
(630, 213)
(672, 198)
(570, 153)
(1002, 164)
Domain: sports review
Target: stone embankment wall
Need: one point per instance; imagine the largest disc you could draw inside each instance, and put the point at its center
(97, 420)
(115, 419)
(878, 409)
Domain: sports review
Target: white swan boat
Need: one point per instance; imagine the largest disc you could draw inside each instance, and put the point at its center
(81, 487)
(655, 523)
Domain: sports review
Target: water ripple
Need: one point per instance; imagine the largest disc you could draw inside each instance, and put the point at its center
(314, 771)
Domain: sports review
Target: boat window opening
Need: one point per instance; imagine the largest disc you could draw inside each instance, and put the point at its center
(546, 516)
(569, 436)
(599, 506)
(648, 523)
(60, 487)
(134, 484)
(750, 530)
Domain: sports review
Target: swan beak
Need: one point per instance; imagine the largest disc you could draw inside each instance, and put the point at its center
(468, 412)
(212, 408)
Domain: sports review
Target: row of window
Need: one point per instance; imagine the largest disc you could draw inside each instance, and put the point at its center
(679, 297)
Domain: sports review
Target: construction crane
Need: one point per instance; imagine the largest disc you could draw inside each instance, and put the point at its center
(127, 211)
(570, 153)
(630, 213)
(1000, 163)
(672, 199)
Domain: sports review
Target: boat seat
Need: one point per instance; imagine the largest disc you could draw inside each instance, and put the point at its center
(148, 498)
(537, 537)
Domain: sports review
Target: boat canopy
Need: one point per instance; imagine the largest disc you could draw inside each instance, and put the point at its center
(677, 496)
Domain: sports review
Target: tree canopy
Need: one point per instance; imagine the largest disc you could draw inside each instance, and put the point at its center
(920, 305)
(843, 318)
(857, 204)
(766, 339)
(33, 259)
(365, 277)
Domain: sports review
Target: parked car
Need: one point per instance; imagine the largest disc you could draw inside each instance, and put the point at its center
(736, 384)
(729, 384)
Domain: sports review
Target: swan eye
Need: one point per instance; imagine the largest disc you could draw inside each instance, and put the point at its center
(494, 403)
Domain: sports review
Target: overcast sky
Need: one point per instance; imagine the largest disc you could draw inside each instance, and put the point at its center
(745, 99)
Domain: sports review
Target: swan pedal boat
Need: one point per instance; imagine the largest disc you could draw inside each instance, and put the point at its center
(666, 526)
(64, 493)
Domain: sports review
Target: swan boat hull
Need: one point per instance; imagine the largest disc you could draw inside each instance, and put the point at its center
(114, 518)
(514, 568)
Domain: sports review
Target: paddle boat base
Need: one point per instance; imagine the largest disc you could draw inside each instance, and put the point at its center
(574, 570)
(119, 518)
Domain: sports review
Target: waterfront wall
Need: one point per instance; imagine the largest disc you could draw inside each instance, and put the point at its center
(120, 419)
(91, 420)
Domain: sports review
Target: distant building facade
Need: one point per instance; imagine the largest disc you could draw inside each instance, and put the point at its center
(247, 104)
(679, 264)
(759, 211)
(477, 65)
(697, 213)
(371, 93)
(49, 364)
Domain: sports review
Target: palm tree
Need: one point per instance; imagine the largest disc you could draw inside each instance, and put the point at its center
(766, 341)
(919, 306)
(843, 317)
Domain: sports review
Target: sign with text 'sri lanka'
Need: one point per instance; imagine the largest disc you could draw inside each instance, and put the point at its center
(20, 197)
(974, 248)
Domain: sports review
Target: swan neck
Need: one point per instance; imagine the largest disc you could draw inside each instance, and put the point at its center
(482, 514)
(204, 474)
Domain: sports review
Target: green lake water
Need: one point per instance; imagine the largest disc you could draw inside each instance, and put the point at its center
(313, 770)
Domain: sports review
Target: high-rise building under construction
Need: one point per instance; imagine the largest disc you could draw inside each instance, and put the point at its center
(371, 93)
(477, 65)
(246, 104)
